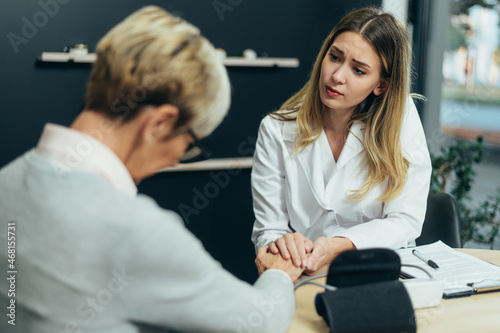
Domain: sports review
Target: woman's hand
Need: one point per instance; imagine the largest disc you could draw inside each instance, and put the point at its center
(266, 260)
(295, 246)
(325, 250)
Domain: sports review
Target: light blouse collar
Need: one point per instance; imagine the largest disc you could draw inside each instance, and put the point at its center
(74, 150)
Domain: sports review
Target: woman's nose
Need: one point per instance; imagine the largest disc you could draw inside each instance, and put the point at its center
(338, 75)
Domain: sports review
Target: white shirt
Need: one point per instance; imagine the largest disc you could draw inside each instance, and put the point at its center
(308, 192)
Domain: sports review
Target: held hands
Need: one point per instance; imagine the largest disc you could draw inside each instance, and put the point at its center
(295, 246)
(325, 250)
(266, 260)
(308, 255)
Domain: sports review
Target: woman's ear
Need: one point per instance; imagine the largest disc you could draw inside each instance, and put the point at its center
(160, 122)
(382, 87)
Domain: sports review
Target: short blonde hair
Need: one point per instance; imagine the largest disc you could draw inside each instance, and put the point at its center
(154, 58)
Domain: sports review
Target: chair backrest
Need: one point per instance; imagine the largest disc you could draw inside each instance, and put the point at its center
(442, 221)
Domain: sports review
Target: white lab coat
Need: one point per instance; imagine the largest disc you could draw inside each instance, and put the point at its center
(308, 192)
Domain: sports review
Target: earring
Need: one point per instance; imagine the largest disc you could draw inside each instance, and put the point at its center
(149, 138)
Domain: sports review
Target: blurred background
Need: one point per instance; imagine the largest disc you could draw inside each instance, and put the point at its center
(456, 63)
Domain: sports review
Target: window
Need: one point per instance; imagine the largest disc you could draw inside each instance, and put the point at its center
(470, 104)
(470, 101)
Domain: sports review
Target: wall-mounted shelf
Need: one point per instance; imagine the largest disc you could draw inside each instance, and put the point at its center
(214, 164)
(229, 61)
(261, 62)
(68, 57)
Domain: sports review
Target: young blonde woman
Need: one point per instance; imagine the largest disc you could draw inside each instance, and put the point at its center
(92, 255)
(344, 164)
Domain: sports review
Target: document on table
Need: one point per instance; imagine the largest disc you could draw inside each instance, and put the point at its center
(463, 274)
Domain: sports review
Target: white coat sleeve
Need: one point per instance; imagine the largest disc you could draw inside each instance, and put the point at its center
(173, 282)
(268, 185)
(402, 217)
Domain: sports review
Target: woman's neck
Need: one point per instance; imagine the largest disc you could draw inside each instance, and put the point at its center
(335, 125)
(118, 137)
(335, 122)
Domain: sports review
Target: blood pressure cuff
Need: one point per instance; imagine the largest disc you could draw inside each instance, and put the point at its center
(357, 267)
(369, 298)
(383, 307)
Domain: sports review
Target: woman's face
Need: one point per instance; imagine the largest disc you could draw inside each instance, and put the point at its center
(350, 71)
(168, 152)
(156, 145)
(157, 154)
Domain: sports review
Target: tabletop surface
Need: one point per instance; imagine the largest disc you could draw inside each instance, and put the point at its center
(477, 313)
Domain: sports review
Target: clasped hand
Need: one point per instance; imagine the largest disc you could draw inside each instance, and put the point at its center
(304, 253)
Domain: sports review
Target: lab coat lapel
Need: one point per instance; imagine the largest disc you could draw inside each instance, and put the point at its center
(353, 146)
(310, 160)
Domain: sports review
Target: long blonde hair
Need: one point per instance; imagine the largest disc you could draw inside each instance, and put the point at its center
(383, 114)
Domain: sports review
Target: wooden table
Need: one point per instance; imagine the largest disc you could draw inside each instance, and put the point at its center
(478, 313)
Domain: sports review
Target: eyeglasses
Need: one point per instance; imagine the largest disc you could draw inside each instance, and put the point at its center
(195, 152)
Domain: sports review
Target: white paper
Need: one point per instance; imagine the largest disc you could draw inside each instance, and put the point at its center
(457, 269)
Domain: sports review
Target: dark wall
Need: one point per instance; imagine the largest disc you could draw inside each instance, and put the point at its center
(216, 205)
(419, 17)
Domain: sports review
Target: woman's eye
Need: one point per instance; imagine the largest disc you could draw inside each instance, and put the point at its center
(334, 57)
(359, 71)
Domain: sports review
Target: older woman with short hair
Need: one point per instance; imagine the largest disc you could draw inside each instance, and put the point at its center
(92, 255)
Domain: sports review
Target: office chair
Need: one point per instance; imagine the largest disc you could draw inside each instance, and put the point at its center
(442, 221)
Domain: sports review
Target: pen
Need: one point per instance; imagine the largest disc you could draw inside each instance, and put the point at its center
(424, 259)
(404, 275)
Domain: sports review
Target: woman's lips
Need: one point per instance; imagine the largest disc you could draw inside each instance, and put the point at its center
(332, 92)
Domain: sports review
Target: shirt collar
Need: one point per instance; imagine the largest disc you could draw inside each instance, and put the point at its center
(74, 150)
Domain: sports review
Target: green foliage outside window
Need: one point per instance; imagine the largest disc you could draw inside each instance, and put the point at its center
(453, 172)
